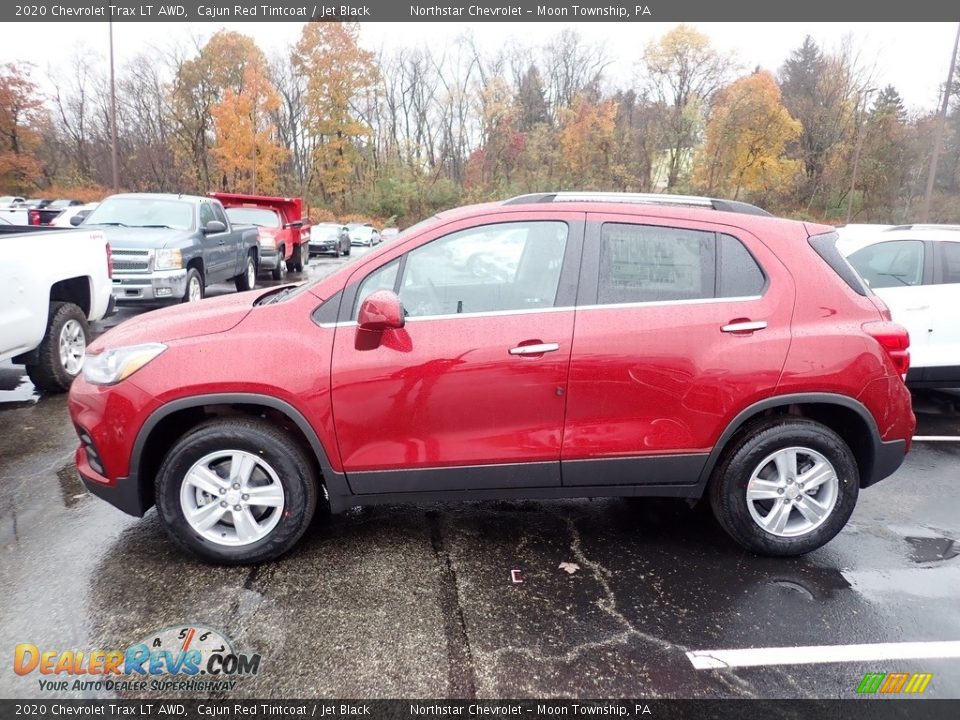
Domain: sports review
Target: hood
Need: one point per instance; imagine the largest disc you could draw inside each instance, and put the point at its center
(214, 315)
(142, 238)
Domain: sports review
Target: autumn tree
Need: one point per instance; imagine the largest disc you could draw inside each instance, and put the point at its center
(586, 142)
(683, 70)
(247, 152)
(747, 135)
(887, 155)
(22, 118)
(338, 71)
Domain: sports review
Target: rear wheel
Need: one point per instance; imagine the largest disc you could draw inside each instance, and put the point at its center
(61, 352)
(236, 491)
(787, 487)
(248, 278)
(194, 292)
(298, 261)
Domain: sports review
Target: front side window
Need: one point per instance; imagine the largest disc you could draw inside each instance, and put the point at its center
(491, 268)
(206, 214)
(890, 264)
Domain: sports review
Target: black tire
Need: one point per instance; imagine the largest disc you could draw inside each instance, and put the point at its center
(247, 280)
(297, 261)
(194, 276)
(336, 250)
(728, 485)
(295, 472)
(347, 251)
(280, 271)
(49, 374)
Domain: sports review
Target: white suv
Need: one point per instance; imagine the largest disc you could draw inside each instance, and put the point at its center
(915, 269)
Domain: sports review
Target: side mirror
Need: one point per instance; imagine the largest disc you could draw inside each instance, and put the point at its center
(214, 226)
(77, 219)
(295, 224)
(380, 311)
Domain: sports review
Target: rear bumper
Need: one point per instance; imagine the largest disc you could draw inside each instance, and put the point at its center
(887, 458)
(324, 247)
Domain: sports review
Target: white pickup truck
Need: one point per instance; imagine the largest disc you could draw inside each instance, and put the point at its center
(46, 305)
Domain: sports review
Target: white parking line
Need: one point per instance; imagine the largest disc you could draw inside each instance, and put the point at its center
(936, 438)
(752, 657)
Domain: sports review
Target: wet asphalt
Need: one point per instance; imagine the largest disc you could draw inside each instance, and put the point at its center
(418, 601)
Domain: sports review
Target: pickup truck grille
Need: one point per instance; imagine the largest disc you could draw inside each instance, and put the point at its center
(131, 261)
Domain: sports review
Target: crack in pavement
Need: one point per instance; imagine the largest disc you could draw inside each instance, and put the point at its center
(461, 673)
(608, 604)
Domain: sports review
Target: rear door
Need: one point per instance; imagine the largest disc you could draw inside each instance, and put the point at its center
(678, 325)
(218, 249)
(944, 299)
(470, 394)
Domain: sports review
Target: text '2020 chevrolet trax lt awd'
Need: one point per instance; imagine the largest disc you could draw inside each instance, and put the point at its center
(553, 345)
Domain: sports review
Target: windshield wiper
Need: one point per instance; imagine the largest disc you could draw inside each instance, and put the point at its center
(111, 224)
(274, 295)
(895, 276)
(167, 227)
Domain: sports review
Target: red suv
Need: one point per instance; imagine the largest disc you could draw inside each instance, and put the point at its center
(549, 346)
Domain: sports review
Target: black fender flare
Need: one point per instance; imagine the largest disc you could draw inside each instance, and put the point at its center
(335, 482)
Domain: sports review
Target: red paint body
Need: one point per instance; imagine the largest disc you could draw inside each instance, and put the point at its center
(645, 380)
(290, 238)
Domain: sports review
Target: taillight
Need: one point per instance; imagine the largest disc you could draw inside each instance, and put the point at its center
(109, 262)
(894, 339)
(33, 217)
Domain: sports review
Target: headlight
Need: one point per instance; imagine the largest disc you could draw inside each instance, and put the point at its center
(168, 259)
(112, 366)
(268, 241)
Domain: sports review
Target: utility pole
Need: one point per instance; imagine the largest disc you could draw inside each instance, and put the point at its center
(113, 117)
(856, 153)
(938, 133)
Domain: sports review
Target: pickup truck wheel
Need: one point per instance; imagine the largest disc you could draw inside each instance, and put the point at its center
(194, 291)
(280, 271)
(787, 487)
(298, 260)
(60, 355)
(236, 490)
(248, 278)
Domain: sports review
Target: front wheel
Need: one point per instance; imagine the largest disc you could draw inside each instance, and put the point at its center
(194, 292)
(61, 352)
(280, 271)
(237, 490)
(787, 487)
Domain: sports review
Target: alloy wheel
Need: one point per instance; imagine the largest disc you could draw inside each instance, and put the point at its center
(73, 344)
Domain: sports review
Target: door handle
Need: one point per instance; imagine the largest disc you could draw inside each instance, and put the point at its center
(538, 349)
(744, 326)
(919, 307)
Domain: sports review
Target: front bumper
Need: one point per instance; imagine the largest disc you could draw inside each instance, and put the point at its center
(269, 258)
(158, 286)
(122, 493)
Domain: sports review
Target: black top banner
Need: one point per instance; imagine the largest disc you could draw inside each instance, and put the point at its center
(485, 11)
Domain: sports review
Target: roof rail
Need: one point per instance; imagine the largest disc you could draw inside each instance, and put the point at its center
(923, 226)
(640, 198)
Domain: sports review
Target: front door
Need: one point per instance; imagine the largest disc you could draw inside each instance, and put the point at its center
(471, 392)
(677, 324)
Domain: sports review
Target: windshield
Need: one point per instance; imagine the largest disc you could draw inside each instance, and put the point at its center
(261, 217)
(143, 212)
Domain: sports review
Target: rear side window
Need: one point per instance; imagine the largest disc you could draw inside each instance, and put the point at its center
(825, 246)
(951, 262)
(890, 264)
(645, 263)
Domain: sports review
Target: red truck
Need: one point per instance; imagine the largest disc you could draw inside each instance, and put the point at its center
(284, 233)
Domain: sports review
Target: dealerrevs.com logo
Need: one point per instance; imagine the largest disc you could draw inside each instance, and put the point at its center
(187, 658)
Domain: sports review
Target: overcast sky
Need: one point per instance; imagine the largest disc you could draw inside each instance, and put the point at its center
(912, 56)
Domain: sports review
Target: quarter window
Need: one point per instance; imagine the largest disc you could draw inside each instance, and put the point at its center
(738, 274)
(890, 264)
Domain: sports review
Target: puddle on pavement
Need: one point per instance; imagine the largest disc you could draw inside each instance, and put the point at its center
(16, 390)
(71, 487)
(932, 549)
